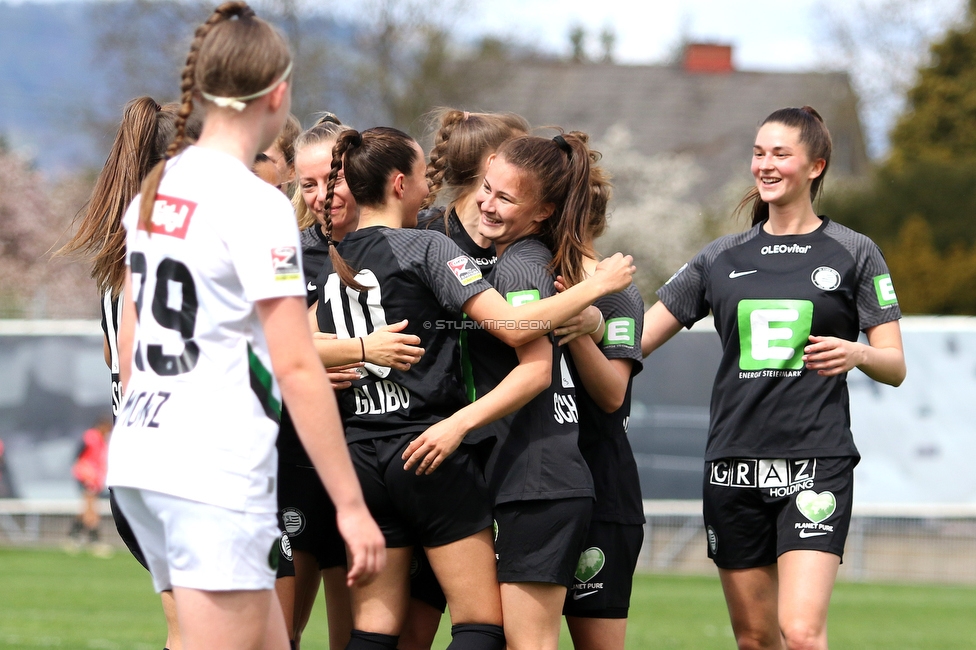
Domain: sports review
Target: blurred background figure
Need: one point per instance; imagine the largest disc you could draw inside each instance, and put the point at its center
(265, 169)
(90, 466)
(6, 489)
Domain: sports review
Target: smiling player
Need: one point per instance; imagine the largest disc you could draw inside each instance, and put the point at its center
(789, 297)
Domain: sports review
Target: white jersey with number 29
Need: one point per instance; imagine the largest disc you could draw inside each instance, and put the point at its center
(201, 412)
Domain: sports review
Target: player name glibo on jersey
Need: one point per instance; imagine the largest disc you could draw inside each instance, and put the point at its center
(383, 396)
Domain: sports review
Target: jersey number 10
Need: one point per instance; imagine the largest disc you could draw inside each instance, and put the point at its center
(365, 310)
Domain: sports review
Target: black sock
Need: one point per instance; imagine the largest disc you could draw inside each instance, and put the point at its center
(477, 636)
(372, 641)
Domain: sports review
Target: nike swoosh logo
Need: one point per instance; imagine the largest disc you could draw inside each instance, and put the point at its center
(805, 533)
(739, 274)
(310, 286)
(588, 593)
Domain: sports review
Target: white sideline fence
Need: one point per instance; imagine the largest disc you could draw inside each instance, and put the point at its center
(930, 543)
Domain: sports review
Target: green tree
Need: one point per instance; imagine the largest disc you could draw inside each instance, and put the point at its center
(577, 43)
(921, 202)
(940, 122)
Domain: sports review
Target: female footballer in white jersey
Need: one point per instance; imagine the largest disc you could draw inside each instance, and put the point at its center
(789, 297)
(216, 297)
(143, 136)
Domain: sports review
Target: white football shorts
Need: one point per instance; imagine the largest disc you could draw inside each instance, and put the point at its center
(201, 546)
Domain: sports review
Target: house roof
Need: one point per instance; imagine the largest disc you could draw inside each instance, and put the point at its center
(712, 117)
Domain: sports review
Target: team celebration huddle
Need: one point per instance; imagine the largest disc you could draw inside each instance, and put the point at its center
(339, 359)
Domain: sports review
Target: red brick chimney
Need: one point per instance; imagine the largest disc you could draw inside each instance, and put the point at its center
(708, 58)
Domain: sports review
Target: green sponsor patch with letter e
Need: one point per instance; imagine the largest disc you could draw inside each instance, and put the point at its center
(619, 331)
(885, 290)
(516, 298)
(773, 333)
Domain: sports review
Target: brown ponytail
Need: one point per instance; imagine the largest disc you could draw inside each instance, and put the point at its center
(369, 159)
(561, 169)
(813, 135)
(144, 133)
(100, 233)
(601, 191)
(227, 58)
(346, 140)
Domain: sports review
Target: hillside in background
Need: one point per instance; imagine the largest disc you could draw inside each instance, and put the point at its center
(50, 82)
(67, 69)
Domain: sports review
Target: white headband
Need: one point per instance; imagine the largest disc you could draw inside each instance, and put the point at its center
(237, 103)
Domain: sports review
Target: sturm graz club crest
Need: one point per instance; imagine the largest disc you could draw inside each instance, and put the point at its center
(825, 278)
(284, 545)
(293, 520)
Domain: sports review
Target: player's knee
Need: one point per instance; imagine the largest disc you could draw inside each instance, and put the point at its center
(360, 640)
(802, 636)
(477, 636)
(758, 639)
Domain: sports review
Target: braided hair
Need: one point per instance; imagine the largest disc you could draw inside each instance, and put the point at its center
(462, 142)
(228, 58)
(369, 159)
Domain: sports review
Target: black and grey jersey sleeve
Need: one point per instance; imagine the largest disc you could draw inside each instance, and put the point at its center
(875, 294)
(624, 316)
(453, 277)
(685, 294)
(522, 274)
(310, 237)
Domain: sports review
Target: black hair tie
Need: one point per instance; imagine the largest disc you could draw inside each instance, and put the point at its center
(328, 118)
(355, 139)
(562, 144)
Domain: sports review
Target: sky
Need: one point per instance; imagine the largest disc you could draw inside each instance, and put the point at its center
(782, 36)
(792, 36)
(786, 36)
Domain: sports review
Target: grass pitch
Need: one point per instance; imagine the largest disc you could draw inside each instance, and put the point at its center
(50, 599)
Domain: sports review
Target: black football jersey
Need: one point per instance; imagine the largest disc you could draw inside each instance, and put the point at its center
(485, 258)
(111, 319)
(314, 254)
(768, 294)
(418, 275)
(536, 455)
(315, 250)
(603, 436)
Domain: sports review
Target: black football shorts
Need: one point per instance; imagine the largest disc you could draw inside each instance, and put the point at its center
(757, 509)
